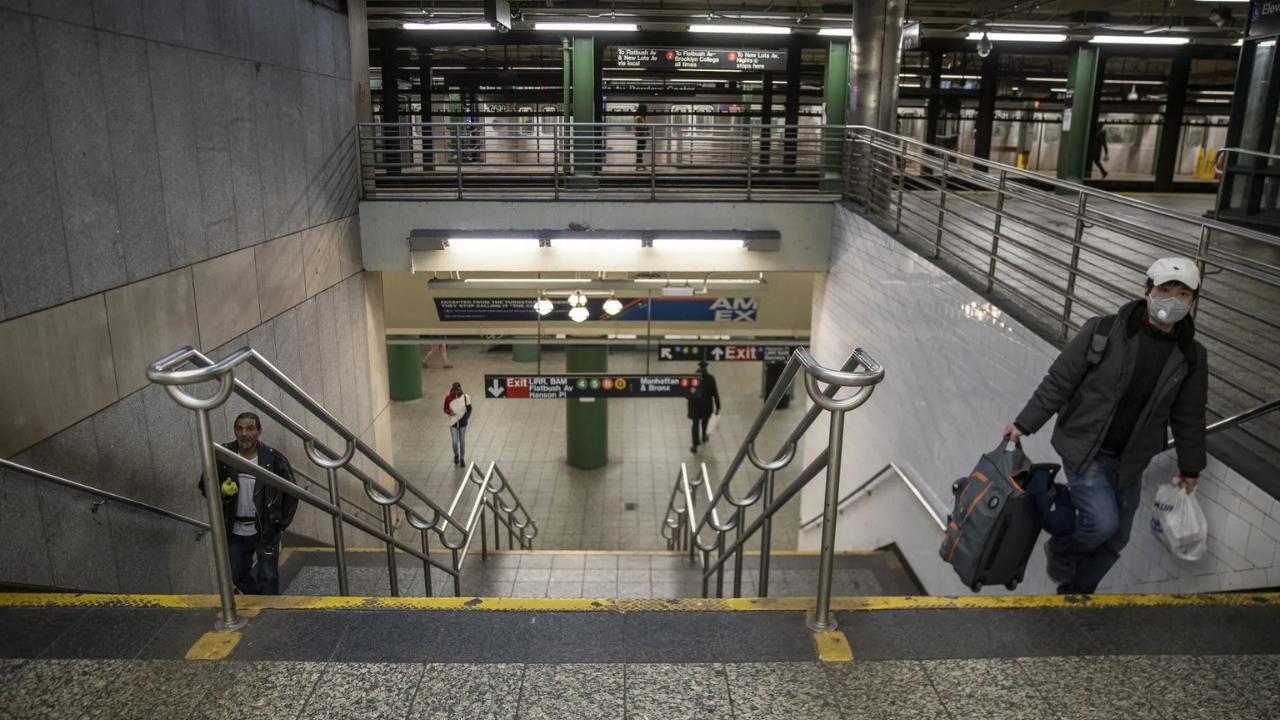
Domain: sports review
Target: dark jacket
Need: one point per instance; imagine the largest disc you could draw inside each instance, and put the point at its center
(1085, 397)
(707, 394)
(274, 507)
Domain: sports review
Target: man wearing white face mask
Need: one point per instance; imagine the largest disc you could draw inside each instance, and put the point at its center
(1115, 389)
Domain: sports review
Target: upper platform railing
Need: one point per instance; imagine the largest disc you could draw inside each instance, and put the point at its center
(558, 160)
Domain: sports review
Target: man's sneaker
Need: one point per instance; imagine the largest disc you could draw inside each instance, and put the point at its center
(1060, 571)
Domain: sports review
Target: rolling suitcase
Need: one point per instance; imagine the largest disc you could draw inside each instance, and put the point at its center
(992, 530)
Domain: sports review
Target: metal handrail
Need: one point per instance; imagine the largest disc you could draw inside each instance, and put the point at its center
(682, 526)
(934, 198)
(890, 470)
(551, 158)
(104, 495)
(451, 533)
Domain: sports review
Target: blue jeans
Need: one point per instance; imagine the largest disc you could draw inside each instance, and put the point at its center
(1104, 518)
(459, 436)
(242, 549)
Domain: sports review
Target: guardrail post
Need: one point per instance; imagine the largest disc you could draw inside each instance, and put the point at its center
(457, 575)
(902, 180)
(1075, 265)
(995, 232)
(426, 566)
(484, 535)
(217, 527)
(873, 171)
(942, 206)
(750, 164)
(339, 542)
(555, 158)
(822, 620)
(737, 555)
(1203, 249)
(766, 535)
(391, 551)
(457, 143)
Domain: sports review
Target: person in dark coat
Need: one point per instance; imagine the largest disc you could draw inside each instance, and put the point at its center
(700, 405)
(1098, 149)
(1121, 385)
(255, 513)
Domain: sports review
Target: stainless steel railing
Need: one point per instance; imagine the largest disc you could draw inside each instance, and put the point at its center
(105, 496)
(558, 159)
(683, 526)
(422, 513)
(888, 471)
(1061, 252)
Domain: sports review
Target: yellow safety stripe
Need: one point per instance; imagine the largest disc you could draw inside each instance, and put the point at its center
(249, 604)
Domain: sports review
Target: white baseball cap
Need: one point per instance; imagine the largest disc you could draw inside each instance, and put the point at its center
(1183, 270)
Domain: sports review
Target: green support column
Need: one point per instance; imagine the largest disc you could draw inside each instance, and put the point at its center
(524, 352)
(836, 95)
(404, 369)
(584, 108)
(1073, 150)
(587, 423)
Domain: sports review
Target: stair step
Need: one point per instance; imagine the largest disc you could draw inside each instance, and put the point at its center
(567, 574)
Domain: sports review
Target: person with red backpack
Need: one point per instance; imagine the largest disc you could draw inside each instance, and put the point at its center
(1120, 385)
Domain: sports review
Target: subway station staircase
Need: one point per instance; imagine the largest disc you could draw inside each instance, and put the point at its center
(716, 626)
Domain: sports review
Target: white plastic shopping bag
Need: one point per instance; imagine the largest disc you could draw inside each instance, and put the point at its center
(712, 424)
(1179, 522)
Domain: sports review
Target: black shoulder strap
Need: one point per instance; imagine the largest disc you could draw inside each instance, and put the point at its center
(1098, 345)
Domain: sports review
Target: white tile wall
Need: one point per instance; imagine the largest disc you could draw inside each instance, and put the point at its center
(957, 371)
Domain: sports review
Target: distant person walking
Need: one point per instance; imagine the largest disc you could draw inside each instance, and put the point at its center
(643, 133)
(1099, 151)
(700, 405)
(255, 513)
(457, 405)
(444, 355)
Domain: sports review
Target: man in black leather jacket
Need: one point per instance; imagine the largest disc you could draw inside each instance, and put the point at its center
(255, 512)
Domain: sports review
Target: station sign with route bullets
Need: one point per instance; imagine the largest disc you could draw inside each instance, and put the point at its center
(701, 59)
(726, 353)
(589, 385)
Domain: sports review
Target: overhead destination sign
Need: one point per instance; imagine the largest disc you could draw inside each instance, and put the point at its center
(1264, 18)
(554, 387)
(727, 353)
(702, 59)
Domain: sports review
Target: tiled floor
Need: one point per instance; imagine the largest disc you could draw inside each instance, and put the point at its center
(601, 576)
(585, 509)
(1064, 688)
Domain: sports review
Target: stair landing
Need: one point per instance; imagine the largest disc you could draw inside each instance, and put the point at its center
(594, 574)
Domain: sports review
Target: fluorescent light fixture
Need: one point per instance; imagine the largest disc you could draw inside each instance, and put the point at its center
(1134, 82)
(698, 245)
(493, 244)
(544, 281)
(1223, 1)
(841, 32)
(1019, 37)
(1212, 100)
(1029, 26)
(1046, 79)
(960, 77)
(1139, 40)
(447, 26)
(741, 29)
(1057, 89)
(595, 244)
(1216, 92)
(586, 27)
